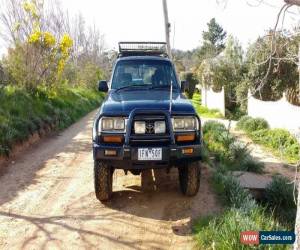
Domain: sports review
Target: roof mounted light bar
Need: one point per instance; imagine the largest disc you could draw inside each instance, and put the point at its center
(142, 49)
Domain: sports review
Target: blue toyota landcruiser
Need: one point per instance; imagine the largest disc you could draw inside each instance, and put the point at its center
(145, 122)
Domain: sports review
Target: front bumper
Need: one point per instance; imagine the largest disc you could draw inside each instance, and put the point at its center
(127, 157)
(127, 154)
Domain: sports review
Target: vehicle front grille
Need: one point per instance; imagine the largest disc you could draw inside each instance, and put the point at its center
(150, 138)
(149, 120)
(150, 127)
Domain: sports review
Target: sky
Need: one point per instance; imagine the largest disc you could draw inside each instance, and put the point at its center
(142, 20)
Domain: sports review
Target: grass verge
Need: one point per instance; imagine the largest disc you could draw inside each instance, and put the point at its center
(23, 113)
(279, 141)
(242, 212)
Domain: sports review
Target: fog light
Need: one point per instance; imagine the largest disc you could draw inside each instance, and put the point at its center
(112, 138)
(185, 138)
(187, 151)
(110, 152)
(140, 127)
(160, 127)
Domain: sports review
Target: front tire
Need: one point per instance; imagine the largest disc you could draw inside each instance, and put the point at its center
(103, 181)
(189, 178)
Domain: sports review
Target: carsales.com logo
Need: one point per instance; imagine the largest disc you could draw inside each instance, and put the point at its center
(267, 237)
(250, 237)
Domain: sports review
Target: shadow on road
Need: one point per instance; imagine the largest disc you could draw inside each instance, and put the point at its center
(162, 200)
(44, 229)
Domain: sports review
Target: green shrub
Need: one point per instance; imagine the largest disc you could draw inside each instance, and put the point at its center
(227, 150)
(241, 123)
(279, 196)
(279, 192)
(255, 124)
(279, 141)
(217, 139)
(235, 113)
(228, 188)
(249, 164)
(213, 126)
(280, 138)
(259, 136)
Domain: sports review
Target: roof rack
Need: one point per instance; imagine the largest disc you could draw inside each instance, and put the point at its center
(142, 49)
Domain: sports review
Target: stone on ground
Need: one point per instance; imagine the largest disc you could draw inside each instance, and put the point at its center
(256, 183)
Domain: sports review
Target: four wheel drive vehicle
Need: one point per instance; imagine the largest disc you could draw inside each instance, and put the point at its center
(145, 122)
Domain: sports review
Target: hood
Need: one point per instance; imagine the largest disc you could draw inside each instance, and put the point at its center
(123, 102)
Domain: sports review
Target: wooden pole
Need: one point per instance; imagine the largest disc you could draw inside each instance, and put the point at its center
(167, 27)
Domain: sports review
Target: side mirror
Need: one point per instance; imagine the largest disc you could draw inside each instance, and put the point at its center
(103, 87)
(183, 86)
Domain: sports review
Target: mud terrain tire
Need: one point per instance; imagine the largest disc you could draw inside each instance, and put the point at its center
(189, 178)
(103, 181)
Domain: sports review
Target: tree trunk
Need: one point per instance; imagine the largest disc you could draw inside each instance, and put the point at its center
(295, 2)
(297, 224)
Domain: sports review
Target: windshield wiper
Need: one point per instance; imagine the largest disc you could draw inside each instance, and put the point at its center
(131, 86)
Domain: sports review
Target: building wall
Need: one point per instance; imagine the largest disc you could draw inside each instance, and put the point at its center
(279, 114)
(213, 100)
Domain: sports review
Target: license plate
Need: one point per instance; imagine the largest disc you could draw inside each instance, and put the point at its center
(149, 154)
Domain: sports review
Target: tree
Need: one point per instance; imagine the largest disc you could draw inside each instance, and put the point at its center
(225, 70)
(186, 58)
(215, 35)
(191, 81)
(283, 76)
(213, 41)
(3, 79)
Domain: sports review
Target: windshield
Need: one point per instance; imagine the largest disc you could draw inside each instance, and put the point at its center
(152, 73)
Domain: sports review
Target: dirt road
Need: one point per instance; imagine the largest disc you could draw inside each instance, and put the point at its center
(47, 202)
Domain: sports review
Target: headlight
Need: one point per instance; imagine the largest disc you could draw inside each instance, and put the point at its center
(107, 124)
(119, 124)
(139, 127)
(189, 123)
(112, 124)
(178, 123)
(159, 127)
(185, 123)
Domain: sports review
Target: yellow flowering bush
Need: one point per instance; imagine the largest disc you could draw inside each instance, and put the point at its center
(43, 56)
(30, 7)
(60, 66)
(66, 43)
(35, 37)
(56, 53)
(48, 39)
